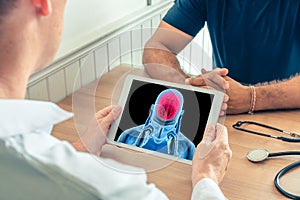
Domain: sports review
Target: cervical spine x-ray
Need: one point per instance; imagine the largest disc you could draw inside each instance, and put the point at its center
(161, 130)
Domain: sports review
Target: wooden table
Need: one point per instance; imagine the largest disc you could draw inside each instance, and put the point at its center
(244, 180)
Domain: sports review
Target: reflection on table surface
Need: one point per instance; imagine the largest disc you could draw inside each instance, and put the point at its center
(244, 179)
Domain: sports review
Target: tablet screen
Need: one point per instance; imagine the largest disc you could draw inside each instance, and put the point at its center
(164, 118)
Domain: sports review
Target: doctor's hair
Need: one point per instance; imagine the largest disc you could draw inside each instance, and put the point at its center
(5, 7)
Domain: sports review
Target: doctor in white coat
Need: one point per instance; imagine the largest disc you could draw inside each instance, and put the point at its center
(36, 165)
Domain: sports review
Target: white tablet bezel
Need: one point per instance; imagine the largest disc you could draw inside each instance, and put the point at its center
(212, 118)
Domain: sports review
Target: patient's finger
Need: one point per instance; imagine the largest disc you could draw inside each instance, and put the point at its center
(196, 81)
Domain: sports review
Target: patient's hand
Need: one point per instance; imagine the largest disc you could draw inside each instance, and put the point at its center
(211, 79)
(239, 97)
(214, 79)
(95, 136)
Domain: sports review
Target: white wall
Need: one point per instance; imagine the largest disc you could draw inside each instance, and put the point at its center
(83, 18)
(99, 47)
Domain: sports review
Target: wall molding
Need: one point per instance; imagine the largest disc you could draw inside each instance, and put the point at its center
(98, 38)
(121, 42)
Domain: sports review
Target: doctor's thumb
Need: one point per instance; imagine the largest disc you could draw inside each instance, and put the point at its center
(209, 134)
(114, 114)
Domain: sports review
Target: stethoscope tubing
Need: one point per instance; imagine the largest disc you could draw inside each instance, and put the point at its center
(260, 154)
(286, 153)
(280, 174)
(285, 139)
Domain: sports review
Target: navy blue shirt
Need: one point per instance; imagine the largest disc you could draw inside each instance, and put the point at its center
(257, 40)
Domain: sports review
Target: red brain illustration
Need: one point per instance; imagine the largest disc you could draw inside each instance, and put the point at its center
(168, 106)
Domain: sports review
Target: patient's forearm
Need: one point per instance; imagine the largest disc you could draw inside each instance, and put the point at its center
(162, 64)
(281, 95)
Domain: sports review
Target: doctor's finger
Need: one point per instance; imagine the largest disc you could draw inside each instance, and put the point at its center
(114, 110)
(104, 112)
(113, 115)
(209, 134)
(221, 133)
(106, 121)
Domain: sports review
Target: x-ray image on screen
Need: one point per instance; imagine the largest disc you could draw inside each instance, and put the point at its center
(161, 130)
(164, 119)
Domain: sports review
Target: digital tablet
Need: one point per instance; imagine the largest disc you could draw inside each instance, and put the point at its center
(163, 118)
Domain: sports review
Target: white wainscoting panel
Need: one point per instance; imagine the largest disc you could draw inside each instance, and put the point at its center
(101, 58)
(72, 77)
(87, 69)
(123, 45)
(39, 91)
(136, 45)
(125, 48)
(57, 86)
(146, 31)
(198, 54)
(114, 57)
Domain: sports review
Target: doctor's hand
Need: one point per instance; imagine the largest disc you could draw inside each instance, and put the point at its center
(95, 136)
(107, 116)
(214, 79)
(212, 155)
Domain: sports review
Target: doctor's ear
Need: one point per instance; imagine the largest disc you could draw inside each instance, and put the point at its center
(43, 7)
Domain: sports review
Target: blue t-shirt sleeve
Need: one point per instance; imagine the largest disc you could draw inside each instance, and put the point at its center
(188, 16)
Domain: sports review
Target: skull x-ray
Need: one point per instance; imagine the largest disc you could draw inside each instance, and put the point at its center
(161, 131)
(164, 119)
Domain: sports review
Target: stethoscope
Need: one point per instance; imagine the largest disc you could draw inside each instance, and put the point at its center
(294, 137)
(259, 155)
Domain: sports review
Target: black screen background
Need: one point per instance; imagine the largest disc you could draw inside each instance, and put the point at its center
(142, 95)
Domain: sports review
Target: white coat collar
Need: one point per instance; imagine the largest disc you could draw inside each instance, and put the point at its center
(27, 116)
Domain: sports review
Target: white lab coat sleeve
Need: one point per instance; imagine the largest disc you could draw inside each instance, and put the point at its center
(106, 178)
(207, 189)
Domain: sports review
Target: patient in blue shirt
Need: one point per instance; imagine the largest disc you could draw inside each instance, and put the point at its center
(258, 42)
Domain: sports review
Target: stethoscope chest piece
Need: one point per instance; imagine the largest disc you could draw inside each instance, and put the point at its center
(257, 155)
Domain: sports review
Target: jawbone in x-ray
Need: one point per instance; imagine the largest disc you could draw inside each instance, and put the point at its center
(164, 119)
